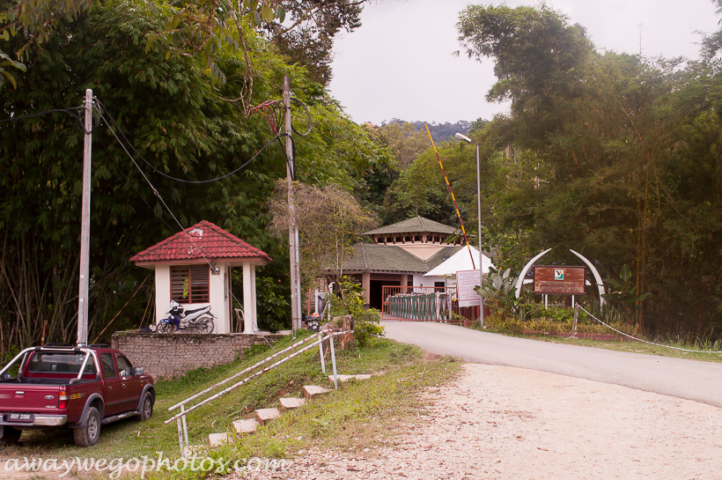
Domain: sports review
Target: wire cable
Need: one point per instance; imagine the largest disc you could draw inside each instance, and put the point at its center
(72, 111)
(182, 180)
(645, 341)
(308, 114)
(127, 179)
(155, 192)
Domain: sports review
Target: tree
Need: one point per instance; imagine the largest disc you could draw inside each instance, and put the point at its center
(609, 154)
(35, 20)
(308, 41)
(330, 222)
(173, 113)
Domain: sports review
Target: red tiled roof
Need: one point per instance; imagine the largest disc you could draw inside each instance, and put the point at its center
(202, 239)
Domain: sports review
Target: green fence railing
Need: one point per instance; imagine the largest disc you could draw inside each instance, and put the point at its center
(432, 306)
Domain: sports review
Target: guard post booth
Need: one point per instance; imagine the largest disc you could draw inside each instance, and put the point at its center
(193, 267)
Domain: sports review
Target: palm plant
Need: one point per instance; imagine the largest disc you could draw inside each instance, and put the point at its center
(499, 291)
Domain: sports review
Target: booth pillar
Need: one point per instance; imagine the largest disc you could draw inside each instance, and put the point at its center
(250, 319)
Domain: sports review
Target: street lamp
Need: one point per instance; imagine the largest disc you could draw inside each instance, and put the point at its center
(466, 139)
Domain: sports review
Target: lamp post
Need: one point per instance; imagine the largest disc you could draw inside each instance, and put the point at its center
(466, 139)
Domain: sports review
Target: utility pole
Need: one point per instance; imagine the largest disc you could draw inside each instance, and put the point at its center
(292, 226)
(85, 226)
(466, 139)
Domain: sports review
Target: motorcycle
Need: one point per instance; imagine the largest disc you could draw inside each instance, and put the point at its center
(199, 319)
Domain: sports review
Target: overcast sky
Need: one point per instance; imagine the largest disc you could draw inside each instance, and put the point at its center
(399, 64)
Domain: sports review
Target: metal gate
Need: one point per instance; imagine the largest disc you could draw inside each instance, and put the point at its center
(426, 304)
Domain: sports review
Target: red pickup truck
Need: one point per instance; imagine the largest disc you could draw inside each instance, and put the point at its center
(75, 387)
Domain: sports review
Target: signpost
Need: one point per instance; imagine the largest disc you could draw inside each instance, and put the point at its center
(559, 280)
(466, 280)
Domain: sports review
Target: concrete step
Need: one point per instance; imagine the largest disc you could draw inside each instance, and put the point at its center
(218, 439)
(264, 415)
(245, 426)
(290, 403)
(347, 378)
(313, 390)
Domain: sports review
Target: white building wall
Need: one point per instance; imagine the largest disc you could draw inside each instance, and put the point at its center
(218, 293)
(421, 280)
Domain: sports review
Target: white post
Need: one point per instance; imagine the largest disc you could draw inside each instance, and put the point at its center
(85, 224)
(185, 426)
(481, 255)
(254, 311)
(333, 363)
(292, 227)
(320, 352)
(180, 438)
(247, 299)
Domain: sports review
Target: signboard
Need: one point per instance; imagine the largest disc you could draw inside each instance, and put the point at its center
(559, 280)
(466, 280)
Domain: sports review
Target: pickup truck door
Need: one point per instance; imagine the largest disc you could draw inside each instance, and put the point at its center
(113, 392)
(130, 386)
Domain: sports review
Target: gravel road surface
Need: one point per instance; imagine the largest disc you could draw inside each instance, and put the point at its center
(506, 423)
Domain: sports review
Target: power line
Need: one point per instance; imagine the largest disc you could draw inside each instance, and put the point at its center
(155, 192)
(182, 180)
(127, 179)
(72, 111)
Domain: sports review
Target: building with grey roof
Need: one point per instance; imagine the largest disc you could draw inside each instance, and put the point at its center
(400, 255)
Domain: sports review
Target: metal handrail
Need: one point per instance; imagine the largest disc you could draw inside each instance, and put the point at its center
(180, 417)
(193, 397)
(236, 385)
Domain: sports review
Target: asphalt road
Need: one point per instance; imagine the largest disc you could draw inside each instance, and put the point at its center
(689, 379)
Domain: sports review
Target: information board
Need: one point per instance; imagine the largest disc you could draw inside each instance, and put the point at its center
(466, 280)
(559, 280)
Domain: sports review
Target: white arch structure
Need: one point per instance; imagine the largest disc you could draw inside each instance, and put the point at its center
(595, 273)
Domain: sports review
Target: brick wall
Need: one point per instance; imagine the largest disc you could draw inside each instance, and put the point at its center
(172, 355)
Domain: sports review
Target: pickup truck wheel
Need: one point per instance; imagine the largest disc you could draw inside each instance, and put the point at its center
(146, 410)
(10, 436)
(88, 435)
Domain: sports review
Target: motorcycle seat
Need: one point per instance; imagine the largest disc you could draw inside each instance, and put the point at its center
(188, 312)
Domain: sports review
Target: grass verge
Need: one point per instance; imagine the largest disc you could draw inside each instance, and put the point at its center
(626, 346)
(356, 416)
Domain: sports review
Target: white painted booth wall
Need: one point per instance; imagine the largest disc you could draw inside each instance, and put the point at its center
(219, 298)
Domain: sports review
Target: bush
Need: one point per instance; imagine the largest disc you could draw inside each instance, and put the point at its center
(349, 301)
(549, 324)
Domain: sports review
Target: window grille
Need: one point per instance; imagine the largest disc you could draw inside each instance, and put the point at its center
(190, 284)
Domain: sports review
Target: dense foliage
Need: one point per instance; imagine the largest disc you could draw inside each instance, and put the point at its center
(172, 108)
(612, 155)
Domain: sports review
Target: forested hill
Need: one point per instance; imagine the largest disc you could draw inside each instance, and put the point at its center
(440, 131)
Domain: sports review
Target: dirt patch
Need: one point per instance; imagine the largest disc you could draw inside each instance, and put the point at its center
(501, 423)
